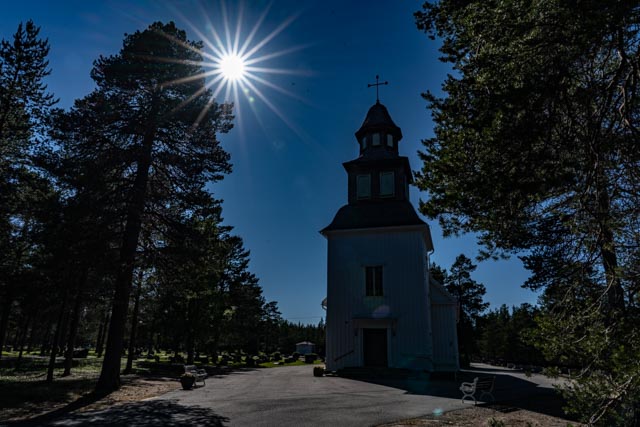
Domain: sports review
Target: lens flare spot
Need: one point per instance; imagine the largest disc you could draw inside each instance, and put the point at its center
(381, 311)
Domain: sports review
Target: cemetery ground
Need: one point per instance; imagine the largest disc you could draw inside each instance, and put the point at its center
(290, 395)
(25, 394)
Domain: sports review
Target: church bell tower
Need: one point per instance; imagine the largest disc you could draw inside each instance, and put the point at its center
(380, 307)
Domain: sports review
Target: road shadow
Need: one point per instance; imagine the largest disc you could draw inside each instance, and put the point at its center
(150, 413)
(511, 392)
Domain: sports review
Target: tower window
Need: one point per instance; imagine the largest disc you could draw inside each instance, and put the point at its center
(363, 186)
(389, 140)
(387, 184)
(364, 143)
(376, 139)
(373, 281)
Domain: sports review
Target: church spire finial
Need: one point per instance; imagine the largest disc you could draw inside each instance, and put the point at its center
(377, 84)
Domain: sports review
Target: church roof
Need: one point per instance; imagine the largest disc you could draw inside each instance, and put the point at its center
(378, 119)
(390, 213)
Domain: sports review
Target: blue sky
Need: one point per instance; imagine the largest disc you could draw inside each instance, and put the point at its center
(288, 145)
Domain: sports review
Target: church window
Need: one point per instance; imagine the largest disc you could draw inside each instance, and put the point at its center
(364, 143)
(389, 140)
(376, 139)
(364, 186)
(387, 184)
(374, 281)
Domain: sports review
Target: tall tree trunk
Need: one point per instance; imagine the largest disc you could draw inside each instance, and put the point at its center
(103, 338)
(110, 374)
(4, 320)
(150, 342)
(56, 338)
(46, 340)
(190, 326)
(75, 320)
(23, 338)
(606, 244)
(32, 335)
(16, 335)
(101, 329)
(134, 324)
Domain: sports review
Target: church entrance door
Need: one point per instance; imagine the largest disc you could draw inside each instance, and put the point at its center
(374, 342)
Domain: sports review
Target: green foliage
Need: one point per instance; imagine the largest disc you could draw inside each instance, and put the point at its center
(27, 199)
(602, 358)
(506, 336)
(468, 292)
(535, 150)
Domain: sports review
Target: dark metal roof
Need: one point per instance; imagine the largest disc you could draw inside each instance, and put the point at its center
(374, 214)
(378, 119)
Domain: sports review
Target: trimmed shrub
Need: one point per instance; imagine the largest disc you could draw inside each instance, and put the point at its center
(310, 357)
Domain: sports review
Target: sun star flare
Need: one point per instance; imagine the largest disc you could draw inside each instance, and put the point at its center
(232, 67)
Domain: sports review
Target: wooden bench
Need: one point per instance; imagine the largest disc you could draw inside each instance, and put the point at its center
(481, 385)
(200, 374)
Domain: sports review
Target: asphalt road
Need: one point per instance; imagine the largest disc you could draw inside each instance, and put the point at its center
(292, 396)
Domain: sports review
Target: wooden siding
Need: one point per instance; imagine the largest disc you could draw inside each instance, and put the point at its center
(403, 309)
(445, 337)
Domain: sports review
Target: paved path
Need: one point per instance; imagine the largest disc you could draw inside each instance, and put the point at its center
(289, 396)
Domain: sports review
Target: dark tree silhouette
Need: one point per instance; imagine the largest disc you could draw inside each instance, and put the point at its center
(536, 151)
(151, 124)
(24, 104)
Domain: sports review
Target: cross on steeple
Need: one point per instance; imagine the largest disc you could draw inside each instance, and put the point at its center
(377, 84)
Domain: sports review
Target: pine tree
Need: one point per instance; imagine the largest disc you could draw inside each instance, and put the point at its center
(151, 125)
(24, 105)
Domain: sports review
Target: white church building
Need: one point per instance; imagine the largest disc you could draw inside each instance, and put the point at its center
(382, 308)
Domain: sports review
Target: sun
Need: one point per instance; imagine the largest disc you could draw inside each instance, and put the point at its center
(237, 63)
(232, 67)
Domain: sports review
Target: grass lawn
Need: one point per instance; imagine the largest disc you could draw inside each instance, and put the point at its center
(283, 365)
(25, 391)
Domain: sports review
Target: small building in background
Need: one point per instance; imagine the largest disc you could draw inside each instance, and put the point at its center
(305, 347)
